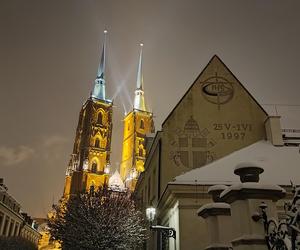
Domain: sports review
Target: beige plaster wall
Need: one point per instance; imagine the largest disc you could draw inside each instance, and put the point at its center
(193, 232)
(149, 193)
(181, 214)
(215, 117)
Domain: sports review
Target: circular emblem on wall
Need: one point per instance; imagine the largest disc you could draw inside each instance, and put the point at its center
(217, 90)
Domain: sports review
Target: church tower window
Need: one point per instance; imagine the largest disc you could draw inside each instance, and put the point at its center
(141, 152)
(100, 118)
(92, 187)
(97, 143)
(94, 167)
(142, 124)
(141, 149)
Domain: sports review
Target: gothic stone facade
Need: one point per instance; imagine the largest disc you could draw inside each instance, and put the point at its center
(92, 147)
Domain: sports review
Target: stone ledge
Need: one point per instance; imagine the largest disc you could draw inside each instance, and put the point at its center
(249, 240)
(214, 209)
(218, 247)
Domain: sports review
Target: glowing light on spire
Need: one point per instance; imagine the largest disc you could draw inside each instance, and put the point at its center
(99, 86)
(139, 100)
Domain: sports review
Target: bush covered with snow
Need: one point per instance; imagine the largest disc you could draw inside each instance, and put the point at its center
(101, 219)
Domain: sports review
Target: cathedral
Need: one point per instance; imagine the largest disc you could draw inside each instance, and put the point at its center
(89, 165)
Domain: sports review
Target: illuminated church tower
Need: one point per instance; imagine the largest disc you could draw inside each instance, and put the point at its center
(90, 160)
(137, 124)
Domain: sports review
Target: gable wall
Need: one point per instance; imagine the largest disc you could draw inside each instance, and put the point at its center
(217, 116)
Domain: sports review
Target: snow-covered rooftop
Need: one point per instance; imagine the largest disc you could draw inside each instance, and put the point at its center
(115, 181)
(289, 117)
(281, 165)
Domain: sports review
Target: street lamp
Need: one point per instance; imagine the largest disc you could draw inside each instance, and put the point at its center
(150, 214)
(107, 168)
(85, 164)
(164, 232)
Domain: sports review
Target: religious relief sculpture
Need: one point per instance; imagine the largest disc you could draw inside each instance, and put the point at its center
(192, 146)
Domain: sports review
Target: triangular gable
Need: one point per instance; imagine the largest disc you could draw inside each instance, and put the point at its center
(215, 57)
(215, 117)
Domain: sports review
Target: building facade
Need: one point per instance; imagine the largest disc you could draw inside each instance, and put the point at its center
(215, 119)
(90, 159)
(137, 125)
(14, 223)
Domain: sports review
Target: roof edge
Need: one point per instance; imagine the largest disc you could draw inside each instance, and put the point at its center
(214, 56)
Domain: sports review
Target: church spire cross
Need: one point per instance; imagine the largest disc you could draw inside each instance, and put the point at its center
(139, 100)
(99, 86)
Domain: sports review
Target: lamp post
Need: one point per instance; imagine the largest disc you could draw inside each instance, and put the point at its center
(107, 169)
(163, 232)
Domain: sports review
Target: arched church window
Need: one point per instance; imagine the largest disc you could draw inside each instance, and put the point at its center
(141, 152)
(92, 187)
(142, 124)
(94, 167)
(141, 149)
(100, 118)
(97, 143)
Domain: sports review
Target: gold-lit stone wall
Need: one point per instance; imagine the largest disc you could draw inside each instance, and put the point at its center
(128, 141)
(95, 180)
(67, 187)
(92, 147)
(215, 117)
(137, 124)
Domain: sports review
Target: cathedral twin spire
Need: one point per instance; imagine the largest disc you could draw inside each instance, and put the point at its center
(139, 99)
(99, 86)
(90, 159)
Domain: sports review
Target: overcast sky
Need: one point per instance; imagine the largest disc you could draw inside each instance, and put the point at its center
(50, 50)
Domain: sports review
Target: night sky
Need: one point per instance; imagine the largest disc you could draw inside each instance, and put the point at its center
(50, 51)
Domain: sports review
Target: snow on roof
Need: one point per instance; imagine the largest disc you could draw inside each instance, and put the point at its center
(251, 185)
(281, 165)
(221, 205)
(289, 114)
(115, 181)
